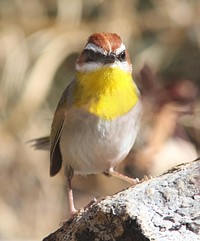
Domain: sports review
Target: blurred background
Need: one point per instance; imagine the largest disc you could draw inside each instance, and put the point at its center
(39, 43)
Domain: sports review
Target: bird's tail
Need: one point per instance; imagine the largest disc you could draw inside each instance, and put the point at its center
(42, 143)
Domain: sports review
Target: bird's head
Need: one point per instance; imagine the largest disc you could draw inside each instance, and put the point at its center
(104, 50)
(104, 84)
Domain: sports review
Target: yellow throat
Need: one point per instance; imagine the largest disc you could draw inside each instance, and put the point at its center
(107, 92)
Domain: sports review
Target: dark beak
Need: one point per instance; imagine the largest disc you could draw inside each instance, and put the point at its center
(110, 58)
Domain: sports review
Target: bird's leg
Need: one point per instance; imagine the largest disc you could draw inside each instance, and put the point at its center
(69, 172)
(130, 180)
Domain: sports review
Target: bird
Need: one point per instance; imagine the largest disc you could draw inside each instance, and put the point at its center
(98, 116)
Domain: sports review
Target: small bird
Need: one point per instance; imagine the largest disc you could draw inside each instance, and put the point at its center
(98, 115)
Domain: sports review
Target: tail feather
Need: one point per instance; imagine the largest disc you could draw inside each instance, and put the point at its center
(42, 143)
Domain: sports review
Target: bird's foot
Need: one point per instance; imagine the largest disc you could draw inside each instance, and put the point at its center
(73, 212)
(146, 178)
(94, 200)
(123, 177)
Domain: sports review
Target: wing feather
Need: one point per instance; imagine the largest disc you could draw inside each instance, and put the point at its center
(56, 129)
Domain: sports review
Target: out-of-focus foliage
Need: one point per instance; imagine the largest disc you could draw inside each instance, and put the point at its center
(39, 43)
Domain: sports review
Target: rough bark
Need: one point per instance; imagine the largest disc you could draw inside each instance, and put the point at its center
(163, 208)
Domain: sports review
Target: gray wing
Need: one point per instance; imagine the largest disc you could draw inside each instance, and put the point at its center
(56, 129)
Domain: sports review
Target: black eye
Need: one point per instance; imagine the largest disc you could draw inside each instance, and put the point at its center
(122, 56)
(91, 55)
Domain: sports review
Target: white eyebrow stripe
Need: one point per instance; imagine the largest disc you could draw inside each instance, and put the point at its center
(94, 48)
(120, 49)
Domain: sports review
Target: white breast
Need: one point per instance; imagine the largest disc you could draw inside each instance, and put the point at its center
(91, 145)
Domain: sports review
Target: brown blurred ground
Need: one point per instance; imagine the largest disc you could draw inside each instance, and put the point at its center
(39, 43)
